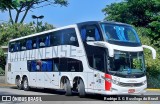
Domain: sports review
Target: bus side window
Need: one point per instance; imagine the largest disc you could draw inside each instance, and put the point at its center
(42, 42)
(69, 37)
(23, 45)
(29, 44)
(74, 65)
(56, 38)
(56, 64)
(18, 46)
(47, 41)
(35, 43)
(63, 65)
(99, 62)
(47, 65)
(90, 33)
(12, 47)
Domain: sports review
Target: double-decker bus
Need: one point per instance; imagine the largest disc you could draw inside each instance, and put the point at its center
(91, 57)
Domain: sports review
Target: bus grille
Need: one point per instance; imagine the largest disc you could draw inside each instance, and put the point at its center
(130, 84)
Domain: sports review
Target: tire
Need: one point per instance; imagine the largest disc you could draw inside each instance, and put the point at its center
(19, 84)
(81, 89)
(25, 84)
(67, 88)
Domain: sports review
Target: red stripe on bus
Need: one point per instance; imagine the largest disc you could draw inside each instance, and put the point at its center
(108, 84)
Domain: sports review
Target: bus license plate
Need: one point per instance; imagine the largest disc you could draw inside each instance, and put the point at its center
(131, 90)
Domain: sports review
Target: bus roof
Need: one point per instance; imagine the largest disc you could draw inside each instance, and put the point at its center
(97, 22)
(40, 33)
(69, 26)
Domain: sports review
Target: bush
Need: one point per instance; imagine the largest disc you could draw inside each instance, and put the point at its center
(152, 66)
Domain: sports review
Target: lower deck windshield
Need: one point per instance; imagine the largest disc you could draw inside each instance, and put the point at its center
(127, 63)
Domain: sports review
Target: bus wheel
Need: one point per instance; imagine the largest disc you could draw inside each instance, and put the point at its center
(25, 84)
(19, 84)
(67, 88)
(81, 89)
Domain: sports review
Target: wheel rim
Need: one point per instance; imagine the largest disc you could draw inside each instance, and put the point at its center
(25, 84)
(78, 88)
(18, 83)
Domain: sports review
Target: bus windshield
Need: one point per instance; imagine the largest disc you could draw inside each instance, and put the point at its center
(116, 32)
(127, 62)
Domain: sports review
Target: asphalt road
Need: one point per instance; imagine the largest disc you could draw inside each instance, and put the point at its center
(62, 99)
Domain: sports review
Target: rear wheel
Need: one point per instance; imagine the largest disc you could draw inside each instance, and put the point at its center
(67, 88)
(19, 84)
(25, 84)
(81, 89)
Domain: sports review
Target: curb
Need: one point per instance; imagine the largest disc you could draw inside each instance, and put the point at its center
(6, 85)
(152, 89)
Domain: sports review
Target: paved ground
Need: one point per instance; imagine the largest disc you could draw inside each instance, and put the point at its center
(2, 79)
(59, 95)
(6, 89)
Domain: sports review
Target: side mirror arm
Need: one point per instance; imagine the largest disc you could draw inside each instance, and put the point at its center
(152, 49)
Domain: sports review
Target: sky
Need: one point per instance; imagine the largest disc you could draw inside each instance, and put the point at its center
(77, 11)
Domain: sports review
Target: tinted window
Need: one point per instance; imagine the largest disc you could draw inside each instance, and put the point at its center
(64, 37)
(44, 40)
(69, 37)
(90, 33)
(12, 47)
(56, 38)
(55, 64)
(121, 33)
(45, 65)
(23, 45)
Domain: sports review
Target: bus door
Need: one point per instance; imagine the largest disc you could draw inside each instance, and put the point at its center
(98, 64)
(51, 75)
(33, 73)
(10, 73)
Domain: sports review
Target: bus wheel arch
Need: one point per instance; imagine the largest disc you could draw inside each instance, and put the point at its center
(63, 81)
(19, 82)
(25, 83)
(65, 84)
(79, 85)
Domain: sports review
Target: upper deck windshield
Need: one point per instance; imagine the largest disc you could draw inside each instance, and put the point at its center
(121, 33)
(127, 63)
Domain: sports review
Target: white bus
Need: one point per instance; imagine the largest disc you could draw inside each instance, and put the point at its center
(89, 57)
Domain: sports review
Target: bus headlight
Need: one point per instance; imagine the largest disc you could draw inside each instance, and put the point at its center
(115, 82)
(144, 82)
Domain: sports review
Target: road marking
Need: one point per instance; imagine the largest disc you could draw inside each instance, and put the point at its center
(2, 84)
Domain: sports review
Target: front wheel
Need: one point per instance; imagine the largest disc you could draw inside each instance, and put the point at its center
(81, 89)
(25, 84)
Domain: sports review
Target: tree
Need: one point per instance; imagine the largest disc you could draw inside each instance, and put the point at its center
(23, 6)
(136, 12)
(140, 13)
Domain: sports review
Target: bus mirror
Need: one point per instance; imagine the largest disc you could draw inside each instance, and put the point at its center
(152, 49)
(103, 44)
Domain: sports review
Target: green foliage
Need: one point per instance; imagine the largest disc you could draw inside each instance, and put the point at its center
(136, 12)
(152, 66)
